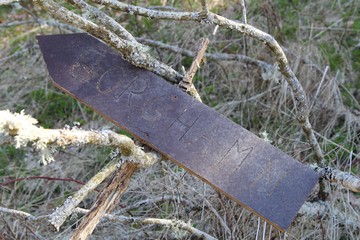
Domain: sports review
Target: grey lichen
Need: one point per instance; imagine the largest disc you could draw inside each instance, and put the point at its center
(62, 212)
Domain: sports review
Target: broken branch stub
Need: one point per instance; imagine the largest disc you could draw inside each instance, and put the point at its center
(234, 161)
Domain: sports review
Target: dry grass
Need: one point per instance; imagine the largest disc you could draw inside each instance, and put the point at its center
(320, 38)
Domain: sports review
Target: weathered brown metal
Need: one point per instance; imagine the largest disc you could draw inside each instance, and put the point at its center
(234, 161)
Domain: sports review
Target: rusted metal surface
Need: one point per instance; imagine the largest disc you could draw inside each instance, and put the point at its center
(234, 161)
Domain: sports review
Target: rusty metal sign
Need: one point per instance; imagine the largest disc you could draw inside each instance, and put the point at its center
(234, 161)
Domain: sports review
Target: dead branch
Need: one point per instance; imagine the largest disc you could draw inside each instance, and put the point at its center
(211, 56)
(204, 5)
(187, 82)
(106, 200)
(243, 8)
(22, 130)
(176, 224)
(59, 216)
(5, 2)
(129, 50)
(316, 210)
(268, 71)
(346, 179)
(21, 214)
(109, 22)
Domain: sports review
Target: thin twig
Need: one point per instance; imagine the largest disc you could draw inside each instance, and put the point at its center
(5, 2)
(187, 82)
(244, 18)
(243, 8)
(150, 202)
(22, 215)
(268, 71)
(41, 177)
(204, 5)
(210, 56)
(94, 13)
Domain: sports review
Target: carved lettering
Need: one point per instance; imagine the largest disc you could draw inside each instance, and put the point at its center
(237, 153)
(109, 80)
(156, 107)
(182, 124)
(203, 141)
(82, 69)
(136, 87)
(270, 178)
(81, 72)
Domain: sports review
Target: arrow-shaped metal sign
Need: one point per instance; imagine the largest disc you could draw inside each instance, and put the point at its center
(234, 161)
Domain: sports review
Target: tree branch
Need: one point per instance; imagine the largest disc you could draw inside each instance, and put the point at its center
(346, 179)
(187, 82)
(59, 216)
(129, 50)
(21, 128)
(318, 210)
(110, 23)
(268, 71)
(106, 200)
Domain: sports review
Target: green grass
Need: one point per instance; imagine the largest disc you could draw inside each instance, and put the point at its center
(52, 105)
(9, 156)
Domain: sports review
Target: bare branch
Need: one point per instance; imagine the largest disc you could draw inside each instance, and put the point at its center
(130, 50)
(21, 214)
(150, 13)
(5, 2)
(243, 8)
(188, 78)
(346, 179)
(317, 210)
(21, 128)
(59, 216)
(187, 82)
(204, 6)
(106, 200)
(104, 19)
(268, 71)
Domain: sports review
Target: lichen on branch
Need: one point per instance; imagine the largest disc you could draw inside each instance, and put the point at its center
(21, 128)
